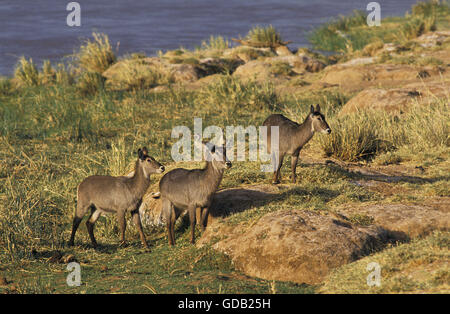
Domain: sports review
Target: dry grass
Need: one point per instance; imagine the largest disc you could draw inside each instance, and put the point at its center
(417, 267)
(26, 73)
(95, 55)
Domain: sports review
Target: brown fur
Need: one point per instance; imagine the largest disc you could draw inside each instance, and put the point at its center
(293, 136)
(107, 194)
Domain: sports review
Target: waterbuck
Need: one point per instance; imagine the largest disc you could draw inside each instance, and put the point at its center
(183, 189)
(293, 136)
(107, 194)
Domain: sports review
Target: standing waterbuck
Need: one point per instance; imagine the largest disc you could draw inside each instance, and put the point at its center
(293, 136)
(107, 194)
(183, 189)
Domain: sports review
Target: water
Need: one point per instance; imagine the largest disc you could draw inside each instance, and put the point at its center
(38, 29)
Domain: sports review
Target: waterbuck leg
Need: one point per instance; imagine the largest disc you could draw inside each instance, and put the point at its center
(294, 160)
(122, 226)
(168, 211)
(276, 175)
(192, 220)
(204, 219)
(76, 223)
(79, 213)
(137, 221)
(95, 213)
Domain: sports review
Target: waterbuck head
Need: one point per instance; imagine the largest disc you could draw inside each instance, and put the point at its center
(148, 164)
(318, 121)
(217, 155)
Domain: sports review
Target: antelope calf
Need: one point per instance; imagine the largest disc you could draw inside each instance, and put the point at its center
(107, 194)
(183, 189)
(293, 136)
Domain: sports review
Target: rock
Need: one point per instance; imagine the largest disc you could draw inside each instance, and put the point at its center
(396, 99)
(405, 220)
(184, 72)
(354, 77)
(247, 54)
(294, 245)
(301, 63)
(213, 66)
(256, 69)
(283, 51)
(433, 39)
(358, 61)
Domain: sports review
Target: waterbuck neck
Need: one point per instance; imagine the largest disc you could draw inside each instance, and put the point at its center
(304, 132)
(213, 175)
(140, 181)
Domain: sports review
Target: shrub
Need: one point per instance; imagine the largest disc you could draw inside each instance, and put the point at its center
(215, 43)
(89, 83)
(354, 137)
(96, 55)
(48, 74)
(26, 73)
(429, 8)
(416, 27)
(5, 86)
(264, 37)
(362, 135)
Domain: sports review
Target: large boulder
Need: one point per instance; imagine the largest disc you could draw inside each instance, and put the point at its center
(256, 69)
(294, 245)
(149, 72)
(246, 53)
(355, 77)
(397, 99)
(404, 220)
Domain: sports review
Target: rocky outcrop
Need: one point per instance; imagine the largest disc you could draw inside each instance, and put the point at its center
(404, 220)
(351, 77)
(294, 245)
(397, 99)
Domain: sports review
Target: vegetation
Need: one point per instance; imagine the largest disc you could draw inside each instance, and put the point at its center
(64, 122)
(95, 55)
(260, 36)
(362, 135)
(351, 33)
(404, 268)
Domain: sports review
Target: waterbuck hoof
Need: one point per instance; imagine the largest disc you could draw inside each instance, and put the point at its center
(276, 182)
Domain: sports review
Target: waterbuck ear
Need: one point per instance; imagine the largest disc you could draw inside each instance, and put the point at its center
(312, 109)
(209, 146)
(145, 150)
(318, 108)
(141, 154)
